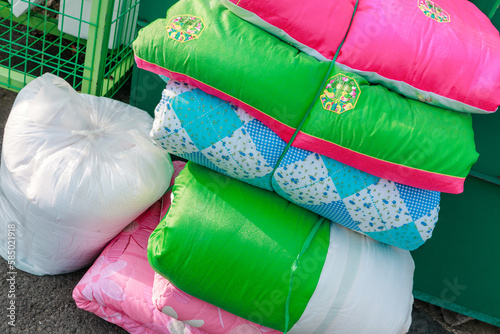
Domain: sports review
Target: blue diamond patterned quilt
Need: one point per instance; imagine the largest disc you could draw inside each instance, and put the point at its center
(214, 133)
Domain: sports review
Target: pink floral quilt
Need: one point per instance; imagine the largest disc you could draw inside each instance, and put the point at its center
(118, 286)
(172, 301)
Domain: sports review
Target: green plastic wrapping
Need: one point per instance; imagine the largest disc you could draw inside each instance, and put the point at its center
(233, 245)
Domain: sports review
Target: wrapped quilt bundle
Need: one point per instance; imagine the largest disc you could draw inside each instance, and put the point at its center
(443, 52)
(76, 169)
(258, 256)
(202, 128)
(339, 114)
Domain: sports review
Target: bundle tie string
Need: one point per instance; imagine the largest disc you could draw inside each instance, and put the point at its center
(318, 93)
(295, 264)
(316, 227)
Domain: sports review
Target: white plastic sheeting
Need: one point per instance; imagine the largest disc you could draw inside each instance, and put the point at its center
(373, 293)
(75, 170)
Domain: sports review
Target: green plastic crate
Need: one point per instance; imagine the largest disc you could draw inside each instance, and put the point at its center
(85, 42)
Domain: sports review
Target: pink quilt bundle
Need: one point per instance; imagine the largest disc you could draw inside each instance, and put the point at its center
(197, 313)
(118, 286)
(443, 52)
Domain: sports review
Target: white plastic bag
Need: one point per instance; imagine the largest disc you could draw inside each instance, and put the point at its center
(75, 170)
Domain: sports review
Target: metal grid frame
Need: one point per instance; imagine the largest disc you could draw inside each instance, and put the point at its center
(33, 44)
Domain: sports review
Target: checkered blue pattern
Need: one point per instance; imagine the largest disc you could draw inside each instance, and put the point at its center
(339, 172)
(419, 202)
(218, 135)
(199, 127)
(386, 211)
(293, 155)
(267, 142)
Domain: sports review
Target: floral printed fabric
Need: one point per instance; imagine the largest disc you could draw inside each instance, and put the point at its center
(118, 286)
(209, 131)
(193, 311)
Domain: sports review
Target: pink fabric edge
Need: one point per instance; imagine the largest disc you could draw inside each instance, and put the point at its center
(387, 170)
(165, 294)
(125, 322)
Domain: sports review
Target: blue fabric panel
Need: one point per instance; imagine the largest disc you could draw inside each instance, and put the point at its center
(213, 120)
(200, 159)
(213, 133)
(407, 236)
(293, 155)
(348, 180)
(267, 142)
(418, 201)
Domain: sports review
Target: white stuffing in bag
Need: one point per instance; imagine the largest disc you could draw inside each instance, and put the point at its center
(75, 170)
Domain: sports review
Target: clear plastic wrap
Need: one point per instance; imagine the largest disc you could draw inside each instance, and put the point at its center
(75, 170)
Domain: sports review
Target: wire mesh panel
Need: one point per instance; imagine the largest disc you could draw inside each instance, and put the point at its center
(86, 42)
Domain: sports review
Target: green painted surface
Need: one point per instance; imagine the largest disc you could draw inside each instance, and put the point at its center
(459, 267)
(151, 10)
(95, 59)
(146, 87)
(487, 137)
(145, 91)
(489, 7)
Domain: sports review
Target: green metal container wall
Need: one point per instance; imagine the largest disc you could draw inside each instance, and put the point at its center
(487, 138)
(459, 267)
(145, 92)
(146, 89)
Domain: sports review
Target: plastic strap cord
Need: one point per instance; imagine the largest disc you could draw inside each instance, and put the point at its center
(318, 93)
(169, 188)
(315, 229)
(295, 264)
(161, 207)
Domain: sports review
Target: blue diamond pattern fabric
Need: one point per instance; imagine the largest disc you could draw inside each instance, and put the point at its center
(293, 155)
(354, 199)
(213, 120)
(406, 234)
(267, 142)
(196, 126)
(200, 159)
(240, 152)
(339, 172)
(418, 202)
(333, 209)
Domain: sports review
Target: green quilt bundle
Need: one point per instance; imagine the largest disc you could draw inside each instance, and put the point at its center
(258, 256)
(339, 114)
